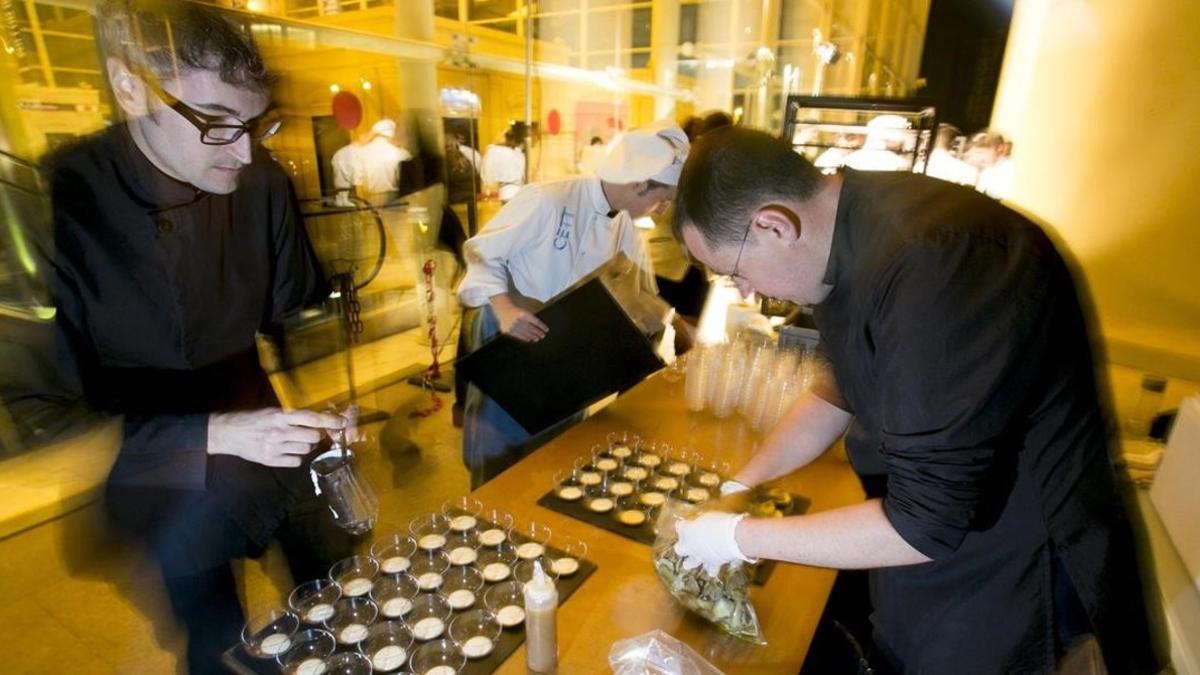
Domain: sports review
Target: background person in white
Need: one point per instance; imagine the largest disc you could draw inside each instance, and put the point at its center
(543, 241)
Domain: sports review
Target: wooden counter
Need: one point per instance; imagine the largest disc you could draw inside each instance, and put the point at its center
(624, 597)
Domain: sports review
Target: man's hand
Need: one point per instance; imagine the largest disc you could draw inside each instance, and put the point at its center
(708, 541)
(517, 321)
(271, 436)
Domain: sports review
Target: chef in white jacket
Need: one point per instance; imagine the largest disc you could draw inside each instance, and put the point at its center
(547, 238)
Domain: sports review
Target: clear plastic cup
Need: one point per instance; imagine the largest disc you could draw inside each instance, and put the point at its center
(347, 663)
(462, 587)
(355, 575)
(507, 601)
(394, 552)
(495, 529)
(496, 562)
(313, 601)
(350, 620)
(388, 646)
(269, 634)
(394, 594)
(440, 657)
(429, 531)
(463, 513)
(565, 557)
(429, 569)
(429, 617)
(531, 539)
(308, 652)
(475, 632)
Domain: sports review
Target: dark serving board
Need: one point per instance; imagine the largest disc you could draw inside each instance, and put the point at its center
(644, 533)
(238, 660)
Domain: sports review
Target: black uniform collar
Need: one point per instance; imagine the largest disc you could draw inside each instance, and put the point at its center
(145, 182)
(841, 249)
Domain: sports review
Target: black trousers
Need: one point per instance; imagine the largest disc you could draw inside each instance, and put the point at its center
(195, 549)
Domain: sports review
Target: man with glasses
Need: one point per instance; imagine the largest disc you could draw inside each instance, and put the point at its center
(176, 240)
(962, 377)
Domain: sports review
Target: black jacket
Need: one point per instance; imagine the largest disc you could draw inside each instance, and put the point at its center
(959, 341)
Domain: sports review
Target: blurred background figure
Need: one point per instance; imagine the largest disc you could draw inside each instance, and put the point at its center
(177, 240)
(504, 166)
(589, 155)
(988, 152)
(944, 162)
(882, 150)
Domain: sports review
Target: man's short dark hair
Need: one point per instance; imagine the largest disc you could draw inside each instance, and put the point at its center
(730, 173)
(168, 38)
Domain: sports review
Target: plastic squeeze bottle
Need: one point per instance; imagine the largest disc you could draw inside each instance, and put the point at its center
(541, 618)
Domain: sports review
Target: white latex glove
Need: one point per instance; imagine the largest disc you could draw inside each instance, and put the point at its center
(709, 541)
(730, 487)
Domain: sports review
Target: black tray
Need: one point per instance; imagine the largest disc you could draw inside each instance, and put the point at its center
(238, 660)
(644, 533)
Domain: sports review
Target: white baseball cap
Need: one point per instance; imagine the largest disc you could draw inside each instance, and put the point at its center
(655, 152)
(384, 127)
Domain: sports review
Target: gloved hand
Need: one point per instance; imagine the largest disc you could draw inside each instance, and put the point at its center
(708, 541)
(731, 486)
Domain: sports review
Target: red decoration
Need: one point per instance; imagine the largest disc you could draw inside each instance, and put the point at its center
(554, 122)
(347, 110)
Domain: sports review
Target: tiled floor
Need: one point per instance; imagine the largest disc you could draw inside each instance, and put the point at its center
(102, 610)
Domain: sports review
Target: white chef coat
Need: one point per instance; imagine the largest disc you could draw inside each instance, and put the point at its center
(503, 165)
(345, 167)
(379, 163)
(947, 167)
(547, 238)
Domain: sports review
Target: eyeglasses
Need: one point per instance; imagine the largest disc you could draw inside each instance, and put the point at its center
(217, 133)
(736, 274)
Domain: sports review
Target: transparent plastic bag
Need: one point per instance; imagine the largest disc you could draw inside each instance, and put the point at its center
(723, 599)
(657, 653)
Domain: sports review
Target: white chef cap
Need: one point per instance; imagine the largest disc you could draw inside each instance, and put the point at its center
(384, 127)
(655, 152)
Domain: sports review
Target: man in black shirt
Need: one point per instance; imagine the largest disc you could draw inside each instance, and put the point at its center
(963, 377)
(176, 240)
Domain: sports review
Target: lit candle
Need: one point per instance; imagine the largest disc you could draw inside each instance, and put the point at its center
(650, 460)
(678, 469)
(620, 451)
(666, 483)
(589, 478)
(606, 464)
(601, 505)
(710, 479)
